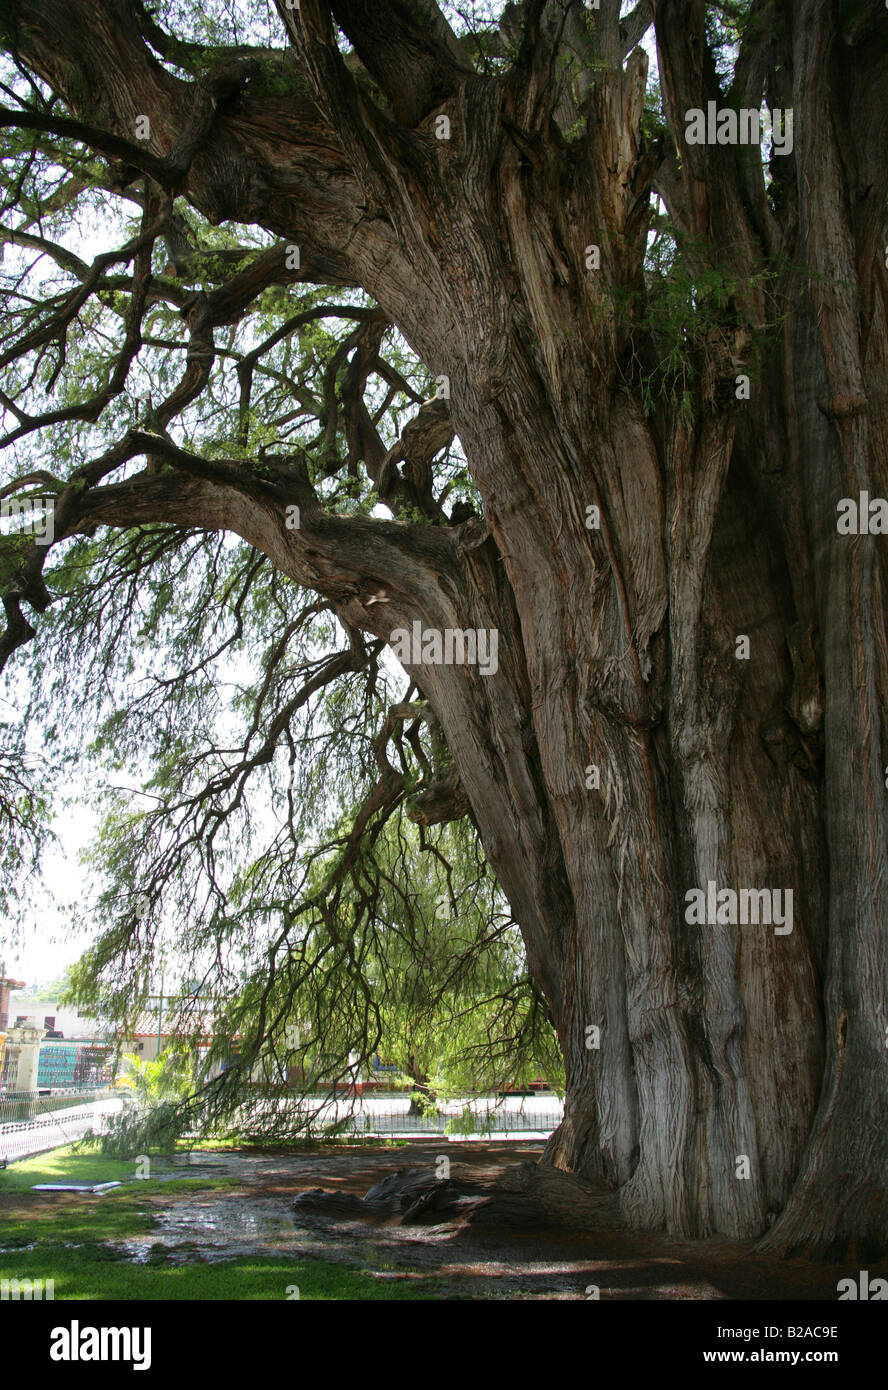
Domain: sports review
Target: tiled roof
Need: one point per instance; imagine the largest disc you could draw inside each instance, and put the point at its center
(177, 1018)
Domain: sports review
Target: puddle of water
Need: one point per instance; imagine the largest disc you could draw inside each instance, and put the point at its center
(263, 1224)
(215, 1230)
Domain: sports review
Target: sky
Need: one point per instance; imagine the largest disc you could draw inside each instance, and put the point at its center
(49, 944)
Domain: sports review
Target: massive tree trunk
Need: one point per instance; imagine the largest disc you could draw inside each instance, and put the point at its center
(629, 747)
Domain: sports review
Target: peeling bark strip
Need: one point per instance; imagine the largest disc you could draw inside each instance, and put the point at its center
(737, 1080)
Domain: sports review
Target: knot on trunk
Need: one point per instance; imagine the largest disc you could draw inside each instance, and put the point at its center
(442, 799)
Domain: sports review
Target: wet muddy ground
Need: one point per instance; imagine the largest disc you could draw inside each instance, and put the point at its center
(512, 1260)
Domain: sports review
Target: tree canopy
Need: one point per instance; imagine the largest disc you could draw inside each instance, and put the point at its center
(283, 832)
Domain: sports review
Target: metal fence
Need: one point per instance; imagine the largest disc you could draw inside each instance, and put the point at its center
(31, 1121)
(393, 1116)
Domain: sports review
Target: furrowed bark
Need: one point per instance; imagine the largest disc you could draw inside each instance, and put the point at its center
(719, 1076)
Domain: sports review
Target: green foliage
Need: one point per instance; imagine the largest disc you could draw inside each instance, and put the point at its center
(25, 824)
(690, 321)
(152, 1082)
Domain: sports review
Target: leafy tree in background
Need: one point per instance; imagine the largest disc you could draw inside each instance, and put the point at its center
(24, 823)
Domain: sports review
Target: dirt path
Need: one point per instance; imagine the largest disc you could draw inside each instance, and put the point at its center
(488, 1261)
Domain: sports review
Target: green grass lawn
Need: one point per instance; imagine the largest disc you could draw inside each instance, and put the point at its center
(70, 1246)
(93, 1273)
(66, 1165)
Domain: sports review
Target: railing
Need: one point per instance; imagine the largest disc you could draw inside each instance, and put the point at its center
(31, 1121)
(392, 1115)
